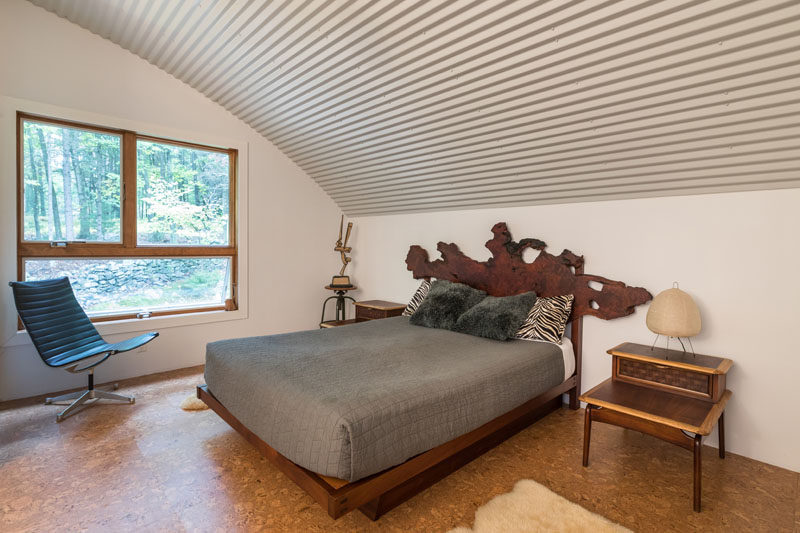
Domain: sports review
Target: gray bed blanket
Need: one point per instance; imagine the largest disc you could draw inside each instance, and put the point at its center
(352, 401)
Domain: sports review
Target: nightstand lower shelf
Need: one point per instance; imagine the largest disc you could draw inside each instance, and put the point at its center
(677, 419)
(337, 323)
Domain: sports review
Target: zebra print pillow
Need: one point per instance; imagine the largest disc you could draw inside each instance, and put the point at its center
(420, 295)
(547, 319)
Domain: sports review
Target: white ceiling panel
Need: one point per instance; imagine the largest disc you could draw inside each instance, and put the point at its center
(402, 106)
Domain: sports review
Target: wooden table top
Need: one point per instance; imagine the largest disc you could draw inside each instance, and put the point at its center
(383, 305)
(688, 414)
(706, 364)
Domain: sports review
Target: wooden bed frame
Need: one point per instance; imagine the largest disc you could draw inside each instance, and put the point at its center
(504, 274)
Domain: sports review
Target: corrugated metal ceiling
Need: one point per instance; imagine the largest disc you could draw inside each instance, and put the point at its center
(402, 106)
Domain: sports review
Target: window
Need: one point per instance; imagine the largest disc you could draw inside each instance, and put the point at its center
(183, 195)
(142, 226)
(71, 184)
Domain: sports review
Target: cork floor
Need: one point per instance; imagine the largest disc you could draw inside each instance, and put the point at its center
(152, 467)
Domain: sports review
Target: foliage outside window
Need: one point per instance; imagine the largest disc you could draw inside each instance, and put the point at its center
(72, 184)
(182, 195)
(141, 225)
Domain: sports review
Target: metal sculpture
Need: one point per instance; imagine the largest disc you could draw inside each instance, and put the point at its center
(341, 280)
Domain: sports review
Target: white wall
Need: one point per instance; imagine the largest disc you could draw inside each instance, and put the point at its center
(734, 253)
(52, 66)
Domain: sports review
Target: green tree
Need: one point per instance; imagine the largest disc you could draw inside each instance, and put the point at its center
(53, 222)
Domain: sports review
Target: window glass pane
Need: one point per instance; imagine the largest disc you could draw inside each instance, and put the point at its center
(183, 195)
(115, 286)
(71, 184)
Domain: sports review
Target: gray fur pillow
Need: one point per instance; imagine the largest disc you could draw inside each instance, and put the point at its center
(496, 318)
(446, 301)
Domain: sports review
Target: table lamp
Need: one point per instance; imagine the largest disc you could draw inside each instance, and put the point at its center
(673, 313)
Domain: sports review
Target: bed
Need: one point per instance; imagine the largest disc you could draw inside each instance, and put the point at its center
(367, 415)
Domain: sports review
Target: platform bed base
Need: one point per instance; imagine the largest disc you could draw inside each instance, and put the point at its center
(379, 493)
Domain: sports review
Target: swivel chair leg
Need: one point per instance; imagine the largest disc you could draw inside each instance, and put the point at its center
(90, 393)
(83, 398)
(64, 397)
(73, 395)
(103, 395)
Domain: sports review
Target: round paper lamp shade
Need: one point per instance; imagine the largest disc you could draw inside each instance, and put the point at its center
(673, 313)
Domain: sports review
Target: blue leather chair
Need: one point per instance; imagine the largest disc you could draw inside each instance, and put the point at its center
(66, 338)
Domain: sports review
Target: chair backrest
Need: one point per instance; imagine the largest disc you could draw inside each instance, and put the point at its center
(54, 319)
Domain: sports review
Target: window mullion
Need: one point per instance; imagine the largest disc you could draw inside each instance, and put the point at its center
(232, 303)
(129, 190)
(36, 249)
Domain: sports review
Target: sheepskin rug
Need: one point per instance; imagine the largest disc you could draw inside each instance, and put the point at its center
(531, 507)
(193, 403)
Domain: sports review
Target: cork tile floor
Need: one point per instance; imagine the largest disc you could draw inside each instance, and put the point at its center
(152, 467)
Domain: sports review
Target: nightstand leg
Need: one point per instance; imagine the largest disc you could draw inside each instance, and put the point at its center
(587, 434)
(698, 463)
(721, 431)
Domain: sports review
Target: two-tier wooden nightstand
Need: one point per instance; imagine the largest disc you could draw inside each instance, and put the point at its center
(368, 310)
(670, 394)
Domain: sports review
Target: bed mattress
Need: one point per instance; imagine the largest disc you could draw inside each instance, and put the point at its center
(352, 401)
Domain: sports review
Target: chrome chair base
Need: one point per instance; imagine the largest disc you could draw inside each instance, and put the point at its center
(81, 397)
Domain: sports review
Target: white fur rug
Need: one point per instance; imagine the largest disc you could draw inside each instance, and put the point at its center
(193, 403)
(531, 507)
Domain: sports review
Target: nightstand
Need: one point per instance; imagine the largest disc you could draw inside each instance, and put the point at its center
(368, 310)
(375, 309)
(675, 396)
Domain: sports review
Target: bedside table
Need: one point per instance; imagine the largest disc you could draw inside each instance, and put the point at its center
(368, 310)
(376, 309)
(669, 394)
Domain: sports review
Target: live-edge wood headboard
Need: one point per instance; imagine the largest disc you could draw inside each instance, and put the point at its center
(506, 274)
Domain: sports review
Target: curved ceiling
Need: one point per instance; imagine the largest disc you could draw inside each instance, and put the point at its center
(403, 106)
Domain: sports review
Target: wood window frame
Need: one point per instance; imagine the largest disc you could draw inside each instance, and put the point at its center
(128, 247)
